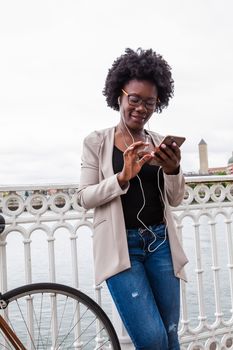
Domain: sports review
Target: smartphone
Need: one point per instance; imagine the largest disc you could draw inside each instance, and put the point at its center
(167, 140)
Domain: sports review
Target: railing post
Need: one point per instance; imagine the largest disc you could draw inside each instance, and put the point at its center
(52, 270)
(230, 259)
(27, 260)
(3, 266)
(215, 268)
(199, 271)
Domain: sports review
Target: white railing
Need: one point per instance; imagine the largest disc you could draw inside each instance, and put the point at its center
(46, 225)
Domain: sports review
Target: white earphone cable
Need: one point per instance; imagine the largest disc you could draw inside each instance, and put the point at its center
(143, 194)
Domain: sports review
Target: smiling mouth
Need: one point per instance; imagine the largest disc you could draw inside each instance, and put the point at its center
(138, 118)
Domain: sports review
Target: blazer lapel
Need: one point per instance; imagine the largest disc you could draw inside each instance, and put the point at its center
(106, 152)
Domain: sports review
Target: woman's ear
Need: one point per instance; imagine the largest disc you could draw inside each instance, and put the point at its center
(119, 100)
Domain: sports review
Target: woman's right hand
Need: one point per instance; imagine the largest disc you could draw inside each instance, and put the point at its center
(132, 162)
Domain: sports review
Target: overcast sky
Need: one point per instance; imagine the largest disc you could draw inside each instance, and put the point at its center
(54, 57)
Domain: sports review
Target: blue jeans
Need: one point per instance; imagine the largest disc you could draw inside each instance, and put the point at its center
(147, 295)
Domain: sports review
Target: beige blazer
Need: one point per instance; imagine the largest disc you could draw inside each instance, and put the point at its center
(99, 189)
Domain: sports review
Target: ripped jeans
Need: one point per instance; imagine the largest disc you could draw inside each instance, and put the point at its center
(147, 295)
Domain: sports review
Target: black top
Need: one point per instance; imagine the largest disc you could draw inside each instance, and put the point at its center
(132, 201)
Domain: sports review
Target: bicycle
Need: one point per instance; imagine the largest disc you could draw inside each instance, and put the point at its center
(53, 316)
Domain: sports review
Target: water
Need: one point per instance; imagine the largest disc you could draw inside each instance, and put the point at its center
(208, 274)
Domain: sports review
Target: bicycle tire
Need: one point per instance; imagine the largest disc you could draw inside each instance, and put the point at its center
(88, 327)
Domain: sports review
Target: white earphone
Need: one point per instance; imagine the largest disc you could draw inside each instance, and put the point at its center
(151, 250)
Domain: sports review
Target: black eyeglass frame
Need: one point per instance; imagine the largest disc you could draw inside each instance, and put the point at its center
(150, 106)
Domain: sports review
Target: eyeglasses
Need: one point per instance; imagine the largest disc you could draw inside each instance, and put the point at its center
(136, 101)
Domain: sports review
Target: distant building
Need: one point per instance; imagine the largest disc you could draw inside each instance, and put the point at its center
(203, 158)
(230, 165)
(224, 169)
(217, 170)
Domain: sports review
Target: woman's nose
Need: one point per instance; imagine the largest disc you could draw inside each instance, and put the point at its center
(141, 107)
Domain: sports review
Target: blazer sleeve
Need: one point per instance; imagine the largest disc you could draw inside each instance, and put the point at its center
(93, 192)
(175, 188)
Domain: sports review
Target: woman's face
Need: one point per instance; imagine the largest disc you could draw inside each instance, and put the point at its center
(137, 103)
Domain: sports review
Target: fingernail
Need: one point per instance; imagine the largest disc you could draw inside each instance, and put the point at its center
(163, 146)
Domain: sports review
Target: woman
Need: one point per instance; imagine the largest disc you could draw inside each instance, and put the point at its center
(131, 183)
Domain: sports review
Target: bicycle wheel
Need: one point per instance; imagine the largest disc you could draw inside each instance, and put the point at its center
(54, 316)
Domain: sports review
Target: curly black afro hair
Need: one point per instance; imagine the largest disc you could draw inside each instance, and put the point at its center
(140, 65)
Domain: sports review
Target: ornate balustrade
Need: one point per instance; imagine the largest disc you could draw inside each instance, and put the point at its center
(42, 240)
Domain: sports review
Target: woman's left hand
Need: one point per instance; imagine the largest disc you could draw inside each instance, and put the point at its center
(168, 157)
